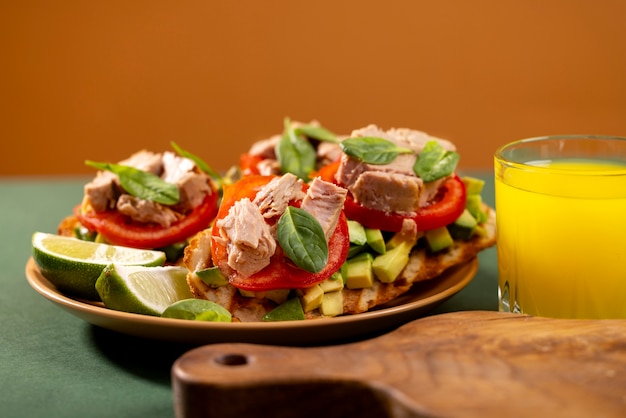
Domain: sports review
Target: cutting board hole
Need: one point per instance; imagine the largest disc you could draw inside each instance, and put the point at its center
(232, 360)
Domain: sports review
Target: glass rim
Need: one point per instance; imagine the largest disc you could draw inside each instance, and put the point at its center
(509, 162)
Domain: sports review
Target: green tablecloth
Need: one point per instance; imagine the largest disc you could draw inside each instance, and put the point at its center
(55, 365)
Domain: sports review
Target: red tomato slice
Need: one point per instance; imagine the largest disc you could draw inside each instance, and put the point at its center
(281, 273)
(249, 164)
(447, 207)
(117, 229)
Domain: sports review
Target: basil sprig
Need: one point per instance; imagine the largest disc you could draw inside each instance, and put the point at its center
(302, 239)
(141, 184)
(316, 132)
(295, 153)
(202, 165)
(434, 162)
(373, 150)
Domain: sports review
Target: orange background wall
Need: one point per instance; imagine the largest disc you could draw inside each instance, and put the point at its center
(101, 79)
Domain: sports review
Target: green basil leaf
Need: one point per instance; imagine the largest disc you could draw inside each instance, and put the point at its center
(316, 132)
(434, 162)
(199, 161)
(141, 184)
(302, 239)
(295, 153)
(372, 150)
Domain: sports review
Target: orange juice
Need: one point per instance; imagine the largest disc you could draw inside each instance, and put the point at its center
(562, 238)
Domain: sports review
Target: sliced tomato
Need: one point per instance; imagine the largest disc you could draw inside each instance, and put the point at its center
(118, 229)
(328, 171)
(281, 273)
(445, 209)
(249, 164)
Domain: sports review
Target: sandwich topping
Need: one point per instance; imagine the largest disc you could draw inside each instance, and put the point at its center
(149, 200)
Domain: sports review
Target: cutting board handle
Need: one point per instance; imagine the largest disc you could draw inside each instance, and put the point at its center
(466, 364)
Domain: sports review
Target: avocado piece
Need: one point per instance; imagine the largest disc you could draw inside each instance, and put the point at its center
(473, 185)
(291, 310)
(332, 304)
(464, 226)
(277, 295)
(387, 267)
(402, 236)
(212, 277)
(311, 297)
(355, 249)
(359, 273)
(438, 239)
(375, 240)
(332, 284)
(474, 205)
(356, 232)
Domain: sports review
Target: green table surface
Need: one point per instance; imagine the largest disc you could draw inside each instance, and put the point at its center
(53, 364)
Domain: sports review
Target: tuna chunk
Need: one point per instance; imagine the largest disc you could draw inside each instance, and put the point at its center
(266, 147)
(389, 192)
(248, 238)
(324, 201)
(146, 161)
(192, 185)
(146, 211)
(275, 196)
(101, 192)
(392, 187)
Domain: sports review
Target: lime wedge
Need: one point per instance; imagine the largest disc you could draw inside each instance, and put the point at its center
(142, 290)
(197, 310)
(73, 265)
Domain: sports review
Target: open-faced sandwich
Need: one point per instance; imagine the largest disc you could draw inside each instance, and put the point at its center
(149, 200)
(321, 225)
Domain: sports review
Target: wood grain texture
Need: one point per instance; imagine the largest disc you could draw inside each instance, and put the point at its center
(466, 364)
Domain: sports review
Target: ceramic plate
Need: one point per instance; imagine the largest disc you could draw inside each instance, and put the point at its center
(422, 297)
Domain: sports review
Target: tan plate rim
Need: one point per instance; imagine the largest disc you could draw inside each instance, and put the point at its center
(423, 297)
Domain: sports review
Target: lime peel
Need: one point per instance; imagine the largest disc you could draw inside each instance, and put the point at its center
(73, 265)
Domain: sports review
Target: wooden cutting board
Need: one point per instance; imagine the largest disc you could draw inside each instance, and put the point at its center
(464, 364)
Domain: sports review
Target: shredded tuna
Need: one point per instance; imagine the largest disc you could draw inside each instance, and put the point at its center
(324, 201)
(146, 211)
(101, 192)
(392, 187)
(248, 237)
(275, 196)
(193, 186)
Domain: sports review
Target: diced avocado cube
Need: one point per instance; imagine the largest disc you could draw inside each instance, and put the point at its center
(474, 205)
(438, 239)
(212, 277)
(356, 232)
(311, 298)
(291, 310)
(332, 304)
(409, 236)
(387, 267)
(332, 284)
(473, 185)
(464, 226)
(375, 240)
(359, 273)
(277, 296)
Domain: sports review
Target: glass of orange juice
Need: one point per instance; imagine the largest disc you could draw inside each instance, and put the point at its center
(561, 222)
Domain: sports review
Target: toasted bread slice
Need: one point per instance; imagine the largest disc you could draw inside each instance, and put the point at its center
(422, 265)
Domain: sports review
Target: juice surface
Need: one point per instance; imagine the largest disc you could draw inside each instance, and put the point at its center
(561, 252)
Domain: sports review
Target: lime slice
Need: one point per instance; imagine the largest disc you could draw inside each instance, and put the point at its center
(73, 265)
(197, 310)
(142, 290)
